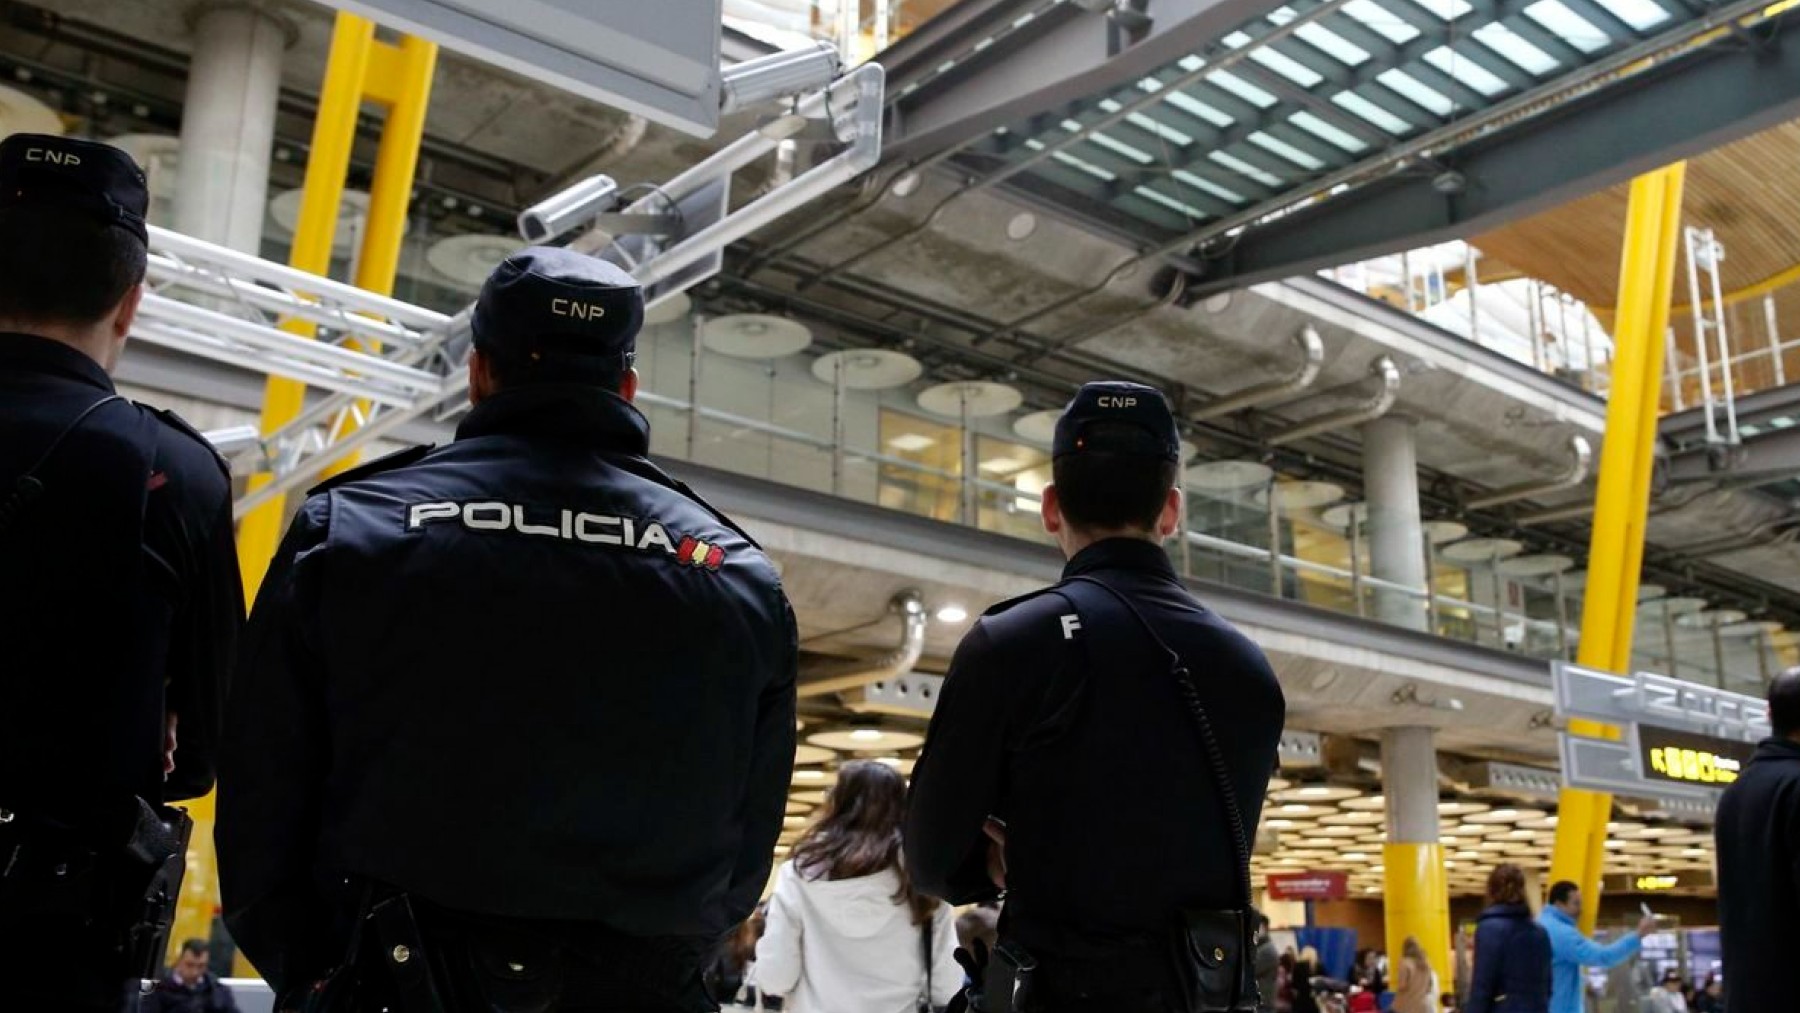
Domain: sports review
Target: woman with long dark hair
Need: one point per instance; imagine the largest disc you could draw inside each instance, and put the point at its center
(846, 931)
(1512, 951)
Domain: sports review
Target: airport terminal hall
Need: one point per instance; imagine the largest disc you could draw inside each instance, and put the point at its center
(900, 506)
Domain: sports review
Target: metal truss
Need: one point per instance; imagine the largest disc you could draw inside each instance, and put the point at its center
(382, 363)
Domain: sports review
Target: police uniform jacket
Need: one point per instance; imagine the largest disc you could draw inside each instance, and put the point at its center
(119, 597)
(1758, 836)
(521, 675)
(1077, 738)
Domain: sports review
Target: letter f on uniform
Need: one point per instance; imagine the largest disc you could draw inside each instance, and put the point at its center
(1070, 624)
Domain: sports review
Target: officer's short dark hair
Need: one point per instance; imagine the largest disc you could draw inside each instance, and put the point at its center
(196, 947)
(1784, 703)
(510, 369)
(1562, 891)
(60, 266)
(1105, 491)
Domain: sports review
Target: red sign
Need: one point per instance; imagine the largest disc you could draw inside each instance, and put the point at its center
(1309, 885)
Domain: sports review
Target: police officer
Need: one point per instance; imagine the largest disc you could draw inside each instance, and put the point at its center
(515, 716)
(1101, 749)
(119, 595)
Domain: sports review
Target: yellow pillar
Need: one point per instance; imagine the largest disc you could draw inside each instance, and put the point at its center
(1622, 499)
(396, 77)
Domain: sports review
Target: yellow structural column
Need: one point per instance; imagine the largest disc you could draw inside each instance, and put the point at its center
(1622, 499)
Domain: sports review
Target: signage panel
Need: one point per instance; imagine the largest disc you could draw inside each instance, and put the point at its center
(1665, 754)
(1309, 885)
(1660, 882)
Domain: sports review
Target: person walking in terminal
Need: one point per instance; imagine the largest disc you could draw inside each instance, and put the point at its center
(847, 931)
(1667, 997)
(1758, 838)
(119, 594)
(1512, 952)
(1415, 983)
(1101, 749)
(190, 987)
(1571, 951)
(514, 723)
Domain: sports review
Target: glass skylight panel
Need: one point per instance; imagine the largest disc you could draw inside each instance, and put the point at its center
(1639, 14)
(1286, 150)
(1409, 87)
(1448, 10)
(1327, 132)
(1332, 44)
(1190, 63)
(1120, 147)
(1567, 25)
(1465, 70)
(1162, 130)
(1087, 167)
(1370, 111)
(1287, 67)
(1237, 40)
(1238, 165)
(1194, 107)
(1179, 207)
(1201, 183)
(1379, 19)
(1504, 41)
(1109, 106)
(1241, 88)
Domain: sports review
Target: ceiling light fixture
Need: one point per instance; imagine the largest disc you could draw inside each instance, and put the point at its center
(952, 614)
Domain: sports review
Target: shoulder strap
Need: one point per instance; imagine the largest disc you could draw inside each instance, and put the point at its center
(1209, 740)
(28, 487)
(180, 425)
(646, 470)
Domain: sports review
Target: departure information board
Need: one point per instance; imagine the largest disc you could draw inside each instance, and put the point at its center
(1686, 758)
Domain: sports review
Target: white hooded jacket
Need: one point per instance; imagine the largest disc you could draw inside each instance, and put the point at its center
(845, 946)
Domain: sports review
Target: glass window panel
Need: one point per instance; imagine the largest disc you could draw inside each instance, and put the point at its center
(1285, 150)
(1287, 67)
(1190, 63)
(1507, 43)
(1449, 10)
(1241, 88)
(1333, 44)
(1087, 167)
(1179, 207)
(1120, 147)
(1378, 19)
(1371, 112)
(1409, 86)
(1567, 25)
(1465, 70)
(1013, 477)
(927, 484)
(1237, 40)
(1201, 183)
(1109, 106)
(1639, 14)
(1194, 107)
(1238, 165)
(1160, 129)
(1327, 132)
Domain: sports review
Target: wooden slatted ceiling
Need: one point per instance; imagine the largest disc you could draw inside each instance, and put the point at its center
(1747, 192)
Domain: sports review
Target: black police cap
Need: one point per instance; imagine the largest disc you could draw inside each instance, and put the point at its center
(572, 316)
(1147, 430)
(88, 176)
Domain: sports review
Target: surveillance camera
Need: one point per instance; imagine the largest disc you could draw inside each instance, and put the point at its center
(765, 78)
(565, 211)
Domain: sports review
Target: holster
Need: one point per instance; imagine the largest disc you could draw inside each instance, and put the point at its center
(1214, 957)
(126, 893)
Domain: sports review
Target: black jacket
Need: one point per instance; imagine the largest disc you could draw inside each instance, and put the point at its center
(119, 597)
(1512, 962)
(522, 675)
(1077, 738)
(1758, 835)
(208, 995)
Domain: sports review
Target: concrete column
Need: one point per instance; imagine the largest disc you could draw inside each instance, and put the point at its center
(1417, 886)
(228, 123)
(1396, 538)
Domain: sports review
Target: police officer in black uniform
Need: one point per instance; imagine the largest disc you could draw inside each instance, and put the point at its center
(1101, 750)
(119, 595)
(515, 716)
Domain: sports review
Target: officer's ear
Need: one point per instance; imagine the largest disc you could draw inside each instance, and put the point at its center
(628, 387)
(1169, 522)
(120, 325)
(1051, 507)
(481, 377)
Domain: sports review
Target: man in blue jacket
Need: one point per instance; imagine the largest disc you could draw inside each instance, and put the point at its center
(1570, 951)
